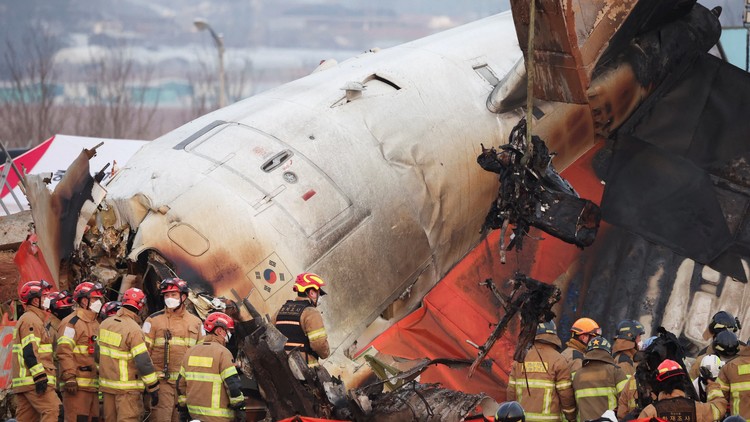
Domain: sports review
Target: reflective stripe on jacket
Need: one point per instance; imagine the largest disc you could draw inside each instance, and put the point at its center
(302, 324)
(124, 363)
(75, 349)
(542, 384)
(32, 351)
(597, 384)
(183, 329)
(208, 382)
(732, 387)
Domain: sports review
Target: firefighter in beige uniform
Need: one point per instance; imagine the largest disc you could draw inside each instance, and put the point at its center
(599, 382)
(169, 334)
(583, 330)
(33, 372)
(672, 402)
(541, 383)
(75, 351)
(125, 367)
(301, 322)
(208, 385)
(731, 391)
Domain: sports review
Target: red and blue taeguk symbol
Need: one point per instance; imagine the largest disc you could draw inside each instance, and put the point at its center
(269, 276)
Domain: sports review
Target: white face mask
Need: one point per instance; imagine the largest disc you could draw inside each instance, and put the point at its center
(96, 306)
(640, 345)
(227, 337)
(45, 303)
(171, 302)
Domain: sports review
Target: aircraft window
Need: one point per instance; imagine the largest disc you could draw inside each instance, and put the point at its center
(274, 162)
(487, 74)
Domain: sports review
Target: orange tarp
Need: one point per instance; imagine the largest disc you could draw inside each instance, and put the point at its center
(460, 309)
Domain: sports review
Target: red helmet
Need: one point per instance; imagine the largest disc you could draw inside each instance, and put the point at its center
(134, 297)
(668, 369)
(33, 289)
(109, 309)
(175, 284)
(218, 319)
(60, 300)
(306, 281)
(88, 290)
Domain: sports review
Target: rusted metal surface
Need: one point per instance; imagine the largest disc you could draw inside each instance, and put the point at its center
(569, 38)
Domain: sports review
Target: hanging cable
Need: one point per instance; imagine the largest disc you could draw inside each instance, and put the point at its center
(530, 82)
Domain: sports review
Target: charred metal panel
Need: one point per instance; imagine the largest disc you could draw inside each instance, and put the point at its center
(569, 38)
(659, 185)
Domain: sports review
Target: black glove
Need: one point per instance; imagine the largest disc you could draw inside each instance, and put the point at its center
(239, 411)
(184, 414)
(154, 398)
(71, 387)
(706, 373)
(40, 383)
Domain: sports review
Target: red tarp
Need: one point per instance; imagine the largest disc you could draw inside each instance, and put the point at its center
(459, 308)
(30, 263)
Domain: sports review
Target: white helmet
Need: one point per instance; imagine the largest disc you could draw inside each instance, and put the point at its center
(713, 364)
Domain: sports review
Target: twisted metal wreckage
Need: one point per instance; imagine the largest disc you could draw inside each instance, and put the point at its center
(606, 72)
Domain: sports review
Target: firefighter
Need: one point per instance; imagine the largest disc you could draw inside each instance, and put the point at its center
(710, 366)
(75, 351)
(33, 371)
(627, 343)
(672, 403)
(599, 382)
(720, 322)
(510, 411)
(732, 388)
(124, 364)
(541, 383)
(581, 332)
(725, 345)
(208, 385)
(169, 334)
(301, 322)
(60, 306)
(109, 309)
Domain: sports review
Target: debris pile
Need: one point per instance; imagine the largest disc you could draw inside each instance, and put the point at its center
(532, 193)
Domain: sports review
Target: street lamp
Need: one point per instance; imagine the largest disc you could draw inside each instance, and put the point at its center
(201, 24)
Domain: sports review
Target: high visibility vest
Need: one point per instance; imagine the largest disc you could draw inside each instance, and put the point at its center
(30, 333)
(121, 343)
(203, 378)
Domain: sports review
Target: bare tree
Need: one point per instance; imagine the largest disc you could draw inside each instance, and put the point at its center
(29, 114)
(118, 106)
(204, 83)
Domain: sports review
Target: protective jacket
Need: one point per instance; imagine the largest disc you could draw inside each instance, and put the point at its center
(597, 384)
(302, 324)
(52, 324)
(542, 384)
(75, 349)
(732, 387)
(574, 354)
(623, 352)
(124, 363)
(678, 408)
(32, 351)
(627, 401)
(178, 329)
(208, 383)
